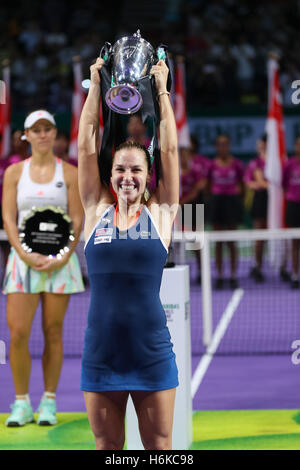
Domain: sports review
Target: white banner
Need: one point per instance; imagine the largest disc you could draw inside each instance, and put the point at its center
(243, 132)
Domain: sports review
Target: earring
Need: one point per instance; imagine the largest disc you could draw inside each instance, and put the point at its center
(146, 194)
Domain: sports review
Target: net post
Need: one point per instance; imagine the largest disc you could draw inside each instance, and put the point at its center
(206, 291)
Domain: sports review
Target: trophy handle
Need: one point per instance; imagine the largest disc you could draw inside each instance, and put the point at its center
(162, 52)
(105, 52)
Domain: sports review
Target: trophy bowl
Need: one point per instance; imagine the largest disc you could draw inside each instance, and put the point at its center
(46, 230)
(132, 59)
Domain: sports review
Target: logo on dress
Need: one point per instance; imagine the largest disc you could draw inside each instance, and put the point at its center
(103, 235)
(59, 184)
(104, 231)
(102, 239)
(40, 193)
(144, 234)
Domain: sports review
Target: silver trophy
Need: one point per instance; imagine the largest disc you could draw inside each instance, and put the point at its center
(132, 59)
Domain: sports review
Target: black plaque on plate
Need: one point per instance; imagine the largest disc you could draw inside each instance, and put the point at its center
(46, 230)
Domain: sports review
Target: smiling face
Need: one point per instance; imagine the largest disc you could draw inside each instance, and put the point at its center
(129, 174)
(41, 136)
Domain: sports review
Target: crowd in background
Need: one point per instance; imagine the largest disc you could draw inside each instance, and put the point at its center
(225, 43)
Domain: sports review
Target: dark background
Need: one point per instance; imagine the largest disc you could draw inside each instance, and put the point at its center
(225, 44)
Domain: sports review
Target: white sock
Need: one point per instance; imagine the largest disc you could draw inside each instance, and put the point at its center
(50, 395)
(23, 397)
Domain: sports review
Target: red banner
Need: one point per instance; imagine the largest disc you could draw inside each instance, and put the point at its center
(5, 113)
(180, 106)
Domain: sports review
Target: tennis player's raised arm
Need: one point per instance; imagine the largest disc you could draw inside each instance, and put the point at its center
(88, 134)
(168, 190)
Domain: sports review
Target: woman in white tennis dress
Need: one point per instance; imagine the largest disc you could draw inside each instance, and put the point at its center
(39, 181)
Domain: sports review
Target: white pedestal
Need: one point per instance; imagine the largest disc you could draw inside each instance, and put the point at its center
(175, 297)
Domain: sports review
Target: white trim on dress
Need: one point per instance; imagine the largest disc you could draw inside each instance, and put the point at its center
(155, 226)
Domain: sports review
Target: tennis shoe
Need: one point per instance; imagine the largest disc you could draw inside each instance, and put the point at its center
(284, 275)
(295, 284)
(21, 413)
(219, 284)
(257, 275)
(47, 412)
(233, 282)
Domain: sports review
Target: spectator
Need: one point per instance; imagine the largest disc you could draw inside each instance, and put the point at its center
(31, 37)
(193, 178)
(244, 54)
(225, 177)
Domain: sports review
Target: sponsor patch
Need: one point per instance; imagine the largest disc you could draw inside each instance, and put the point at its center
(102, 239)
(104, 231)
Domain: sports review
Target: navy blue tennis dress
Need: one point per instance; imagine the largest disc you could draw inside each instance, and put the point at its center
(127, 343)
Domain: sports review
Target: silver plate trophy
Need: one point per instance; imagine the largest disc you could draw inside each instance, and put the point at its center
(132, 58)
(46, 230)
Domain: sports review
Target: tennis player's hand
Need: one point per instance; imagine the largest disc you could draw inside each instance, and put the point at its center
(95, 69)
(160, 72)
(51, 264)
(34, 260)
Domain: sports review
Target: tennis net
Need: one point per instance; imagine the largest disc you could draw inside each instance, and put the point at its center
(258, 316)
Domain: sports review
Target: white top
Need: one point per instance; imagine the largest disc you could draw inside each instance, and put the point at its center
(31, 194)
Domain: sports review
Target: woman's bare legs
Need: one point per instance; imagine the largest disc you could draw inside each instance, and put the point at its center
(20, 310)
(155, 415)
(106, 413)
(54, 308)
(259, 244)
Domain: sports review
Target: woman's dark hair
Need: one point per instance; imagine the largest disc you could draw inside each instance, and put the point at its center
(131, 144)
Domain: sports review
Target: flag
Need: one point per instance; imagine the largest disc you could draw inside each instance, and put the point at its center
(180, 105)
(5, 113)
(276, 156)
(276, 152)
(78, 100)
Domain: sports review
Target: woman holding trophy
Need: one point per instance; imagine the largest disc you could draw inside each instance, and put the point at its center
(127, 346)
(40, 181)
